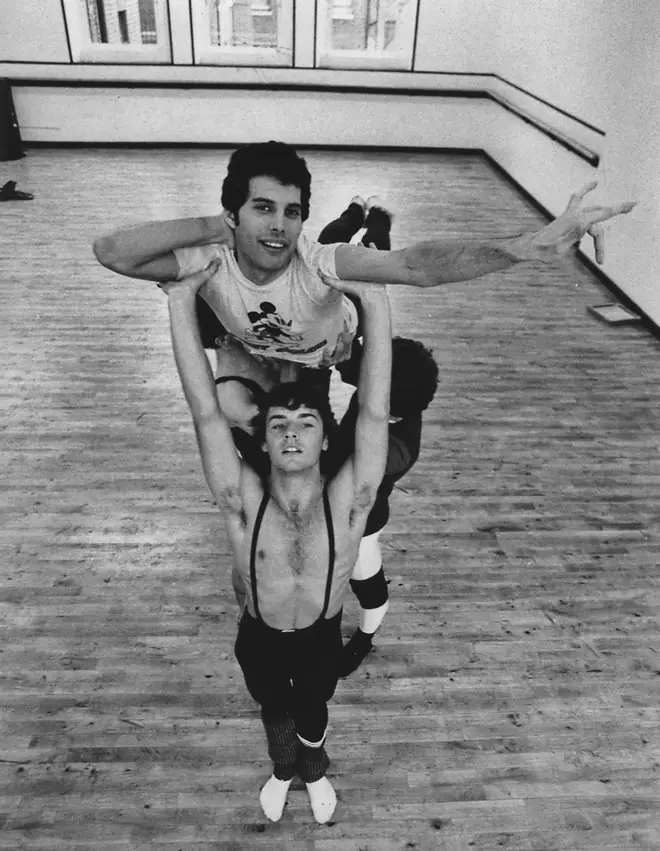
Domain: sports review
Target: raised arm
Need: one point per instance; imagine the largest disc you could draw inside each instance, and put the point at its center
(373, 394)
(220, 462)
(443, 261)
(146, 250)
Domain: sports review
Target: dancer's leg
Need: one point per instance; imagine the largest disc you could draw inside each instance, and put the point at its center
(314, 683)
(375, 595)
(369, 585)
(378, 224)
(268, 681)
(344, 228)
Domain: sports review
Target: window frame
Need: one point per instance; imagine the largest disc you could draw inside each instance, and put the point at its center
(207, 53)
(84, 50)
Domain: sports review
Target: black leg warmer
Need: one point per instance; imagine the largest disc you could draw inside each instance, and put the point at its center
(283, 745)
(312, 763)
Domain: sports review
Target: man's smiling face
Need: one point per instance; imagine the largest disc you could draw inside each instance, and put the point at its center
(267, 230)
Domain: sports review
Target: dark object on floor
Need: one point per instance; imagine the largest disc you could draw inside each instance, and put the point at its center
(11, 146)
(9, 192)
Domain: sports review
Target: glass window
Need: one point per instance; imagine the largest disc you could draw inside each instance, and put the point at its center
(118, 30)
(243, 32)
(366, 33)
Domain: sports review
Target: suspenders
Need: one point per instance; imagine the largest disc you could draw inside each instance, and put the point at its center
(331, 551)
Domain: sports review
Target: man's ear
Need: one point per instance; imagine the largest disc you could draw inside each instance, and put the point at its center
(230, 218)
(324, 445)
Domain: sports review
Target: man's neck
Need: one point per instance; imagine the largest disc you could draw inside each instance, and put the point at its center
(296, 492)
(260, 277)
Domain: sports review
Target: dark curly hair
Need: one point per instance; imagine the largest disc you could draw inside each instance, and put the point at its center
(293, 395)
(414, 375)
(272, 159)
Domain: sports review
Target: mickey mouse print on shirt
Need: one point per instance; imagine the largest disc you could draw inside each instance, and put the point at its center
(269, 327)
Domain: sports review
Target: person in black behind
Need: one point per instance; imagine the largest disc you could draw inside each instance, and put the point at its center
(414, 382)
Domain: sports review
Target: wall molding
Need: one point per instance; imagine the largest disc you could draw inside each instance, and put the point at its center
(548, 104)
(560, 135)
(401, 83)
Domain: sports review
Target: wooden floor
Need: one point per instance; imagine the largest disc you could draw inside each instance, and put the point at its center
(513, 698)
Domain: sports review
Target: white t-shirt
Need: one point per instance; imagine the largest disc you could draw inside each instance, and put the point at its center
(296, 317)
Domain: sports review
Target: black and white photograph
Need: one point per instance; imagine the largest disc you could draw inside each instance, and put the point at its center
(329, 425)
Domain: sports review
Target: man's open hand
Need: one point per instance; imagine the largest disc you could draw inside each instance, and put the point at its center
(565, 232)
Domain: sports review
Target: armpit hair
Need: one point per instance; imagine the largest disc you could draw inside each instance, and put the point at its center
(363, 499)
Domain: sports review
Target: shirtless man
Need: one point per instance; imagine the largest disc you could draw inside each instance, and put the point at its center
(271, 289)
(413, 386)
(295, 536)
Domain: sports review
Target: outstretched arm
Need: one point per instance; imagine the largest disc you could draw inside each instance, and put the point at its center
(428, 264)
(220, 462)
(147, 250)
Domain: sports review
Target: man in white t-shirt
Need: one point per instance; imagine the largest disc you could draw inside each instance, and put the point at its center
(269, 285)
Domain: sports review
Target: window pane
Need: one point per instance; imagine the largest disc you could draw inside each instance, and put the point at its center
(245, 23)
(122, 21)
(372, 26)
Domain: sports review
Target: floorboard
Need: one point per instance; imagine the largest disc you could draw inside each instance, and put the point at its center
(512, 698)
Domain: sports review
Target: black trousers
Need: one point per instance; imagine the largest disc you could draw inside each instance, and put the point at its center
(291, 673)
(344, 228)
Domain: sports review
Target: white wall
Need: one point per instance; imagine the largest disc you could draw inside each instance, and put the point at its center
(630, 164)
(62, 114)
(32, 31)
(455, 35)
(562, 51)
(600, 61)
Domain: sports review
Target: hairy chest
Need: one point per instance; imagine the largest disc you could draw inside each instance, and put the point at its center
(293, 542)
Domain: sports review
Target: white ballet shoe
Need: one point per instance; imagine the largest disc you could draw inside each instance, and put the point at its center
(273, 797)
(323, 799)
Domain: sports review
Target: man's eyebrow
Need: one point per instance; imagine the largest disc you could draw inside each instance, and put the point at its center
(312, 414)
